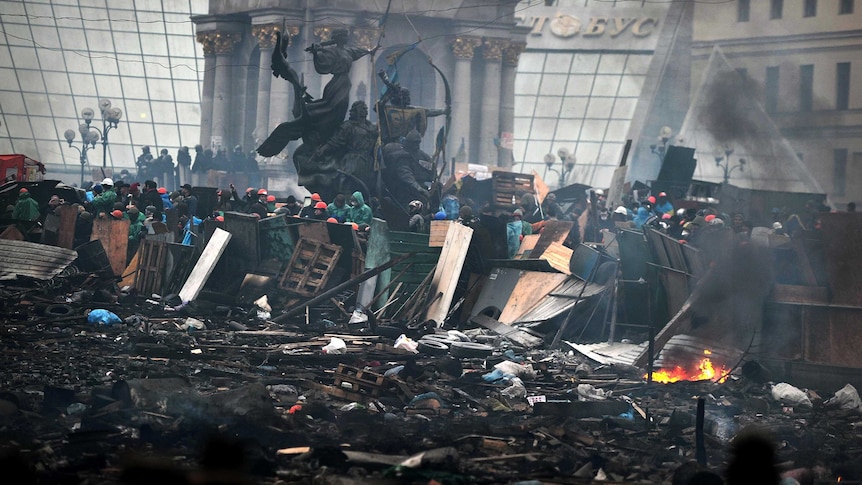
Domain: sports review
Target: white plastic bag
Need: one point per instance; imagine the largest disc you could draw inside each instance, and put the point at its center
(790, 395)
(846, 398)
(335, 346)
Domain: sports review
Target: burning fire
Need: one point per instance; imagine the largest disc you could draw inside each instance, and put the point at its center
(699, 371)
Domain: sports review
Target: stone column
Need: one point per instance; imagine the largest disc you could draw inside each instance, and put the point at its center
(206, 40)
(489, 126)
(507, 98)
(463, 47)
(224, 44)
(362, 71)
(265, 35)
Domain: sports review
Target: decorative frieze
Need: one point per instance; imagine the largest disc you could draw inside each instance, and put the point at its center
(464, 46)
(216, 42)
(492, 48)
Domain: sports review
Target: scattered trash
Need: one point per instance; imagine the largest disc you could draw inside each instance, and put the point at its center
(846, 398)
(787, 394)
(516, 390)
(335, 346)
(103, 317)
(406, 343)
(193, 324)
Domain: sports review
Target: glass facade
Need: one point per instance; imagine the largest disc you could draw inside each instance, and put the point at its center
(583, 102)
(59, 57)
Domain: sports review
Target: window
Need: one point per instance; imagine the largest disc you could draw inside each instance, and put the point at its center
(771, 90)
(743, 10)
(810, 8)
(846, 7)
(776, 9)
(842, 85)
(839, 171)
(806, 87)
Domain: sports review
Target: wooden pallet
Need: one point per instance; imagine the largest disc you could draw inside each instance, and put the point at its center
(438, 233)
(359, 380)
(151, 263)
(310, 267)
(507, 186)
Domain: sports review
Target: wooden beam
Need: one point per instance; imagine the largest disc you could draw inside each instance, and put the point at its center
(204, 267)
(448, 271)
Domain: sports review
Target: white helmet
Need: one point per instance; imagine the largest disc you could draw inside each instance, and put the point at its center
(108, 181)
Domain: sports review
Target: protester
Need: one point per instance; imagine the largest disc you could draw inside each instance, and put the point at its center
(339, 208)
(151, 198)
(190, 199)
(417, 221)
(259, 207)
(359, 212)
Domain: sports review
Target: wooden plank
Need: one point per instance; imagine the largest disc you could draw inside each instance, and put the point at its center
(439, 229)
(131, 272)
(527, 246)
(114, 235)
(559, 257)
(531, 287)
(448, 271)
(204, 267)
(310, 267)
(798, 294)
(554, 231)
(66, 231)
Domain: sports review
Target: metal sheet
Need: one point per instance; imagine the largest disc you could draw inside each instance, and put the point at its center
(33, 260)
(496, 290)
(560, 300)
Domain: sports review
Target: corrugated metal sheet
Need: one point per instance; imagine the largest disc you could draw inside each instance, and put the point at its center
(680, 349)
(560, 300)
(20, 258)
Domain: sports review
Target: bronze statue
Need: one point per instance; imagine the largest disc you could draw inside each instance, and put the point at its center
(398, 116)
(315, 120)
(349, 154)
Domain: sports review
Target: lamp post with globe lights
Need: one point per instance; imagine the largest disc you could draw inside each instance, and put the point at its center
(89, 138)
(110, 118)
(664, 136)
(728, 170)
(567, 159)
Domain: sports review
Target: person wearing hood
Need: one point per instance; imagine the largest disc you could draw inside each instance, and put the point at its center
(359, 212)
(166, 198)
(641, 217)
(26, 212)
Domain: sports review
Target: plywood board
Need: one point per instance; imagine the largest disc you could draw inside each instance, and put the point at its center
(448, 271)
(558, 256)
(131, 271)
(554, 231)
(527, 245)
(66, 231)
(530, 289)
(439, 229)
(243, 252)
(114, 235)
(314, 231)
(212, 252)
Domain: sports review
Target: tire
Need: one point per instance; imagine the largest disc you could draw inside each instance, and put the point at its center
(469, 350)
(432, 347)
(58, 310)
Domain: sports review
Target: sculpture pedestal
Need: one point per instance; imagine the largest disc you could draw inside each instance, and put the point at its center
(278, 177)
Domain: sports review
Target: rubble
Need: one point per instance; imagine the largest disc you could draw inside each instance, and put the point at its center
(245, 377)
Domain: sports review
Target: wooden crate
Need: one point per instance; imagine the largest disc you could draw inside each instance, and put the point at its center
(508, 185)
(359, 380)
(310, 267)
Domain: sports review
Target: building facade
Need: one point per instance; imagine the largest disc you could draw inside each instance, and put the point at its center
(59, 57)
(804, 57)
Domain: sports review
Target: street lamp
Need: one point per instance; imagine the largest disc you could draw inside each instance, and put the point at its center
(88, 142)
(728, 151)
(567, 160)
(110, 118)
(664, 135)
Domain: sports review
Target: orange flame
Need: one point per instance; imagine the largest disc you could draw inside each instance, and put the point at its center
(699, 371)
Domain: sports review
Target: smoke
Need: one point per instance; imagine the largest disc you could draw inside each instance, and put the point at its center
(728, 112)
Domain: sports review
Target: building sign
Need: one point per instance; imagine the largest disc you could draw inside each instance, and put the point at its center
(585, 28)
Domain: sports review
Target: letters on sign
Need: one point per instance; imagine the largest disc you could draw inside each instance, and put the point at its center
(566, 26)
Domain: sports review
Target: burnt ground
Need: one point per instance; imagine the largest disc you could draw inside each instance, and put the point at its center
(155, 399)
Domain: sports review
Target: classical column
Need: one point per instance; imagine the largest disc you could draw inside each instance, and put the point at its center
(489, 126)
(463, 47)
(265, 35)
(206, 40)
(507, 97)
(224, 43)
(362, 70)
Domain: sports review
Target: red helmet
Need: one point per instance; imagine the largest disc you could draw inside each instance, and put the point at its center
(315, 196)
(662, 194)
(270, 198)
(261, 192)
(23, 190)
(333, 220)
(320, 205)
(651, 199)
(117, 213)
(163, 190)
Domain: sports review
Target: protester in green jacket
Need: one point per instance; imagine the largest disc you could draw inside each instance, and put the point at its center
(358, 212)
